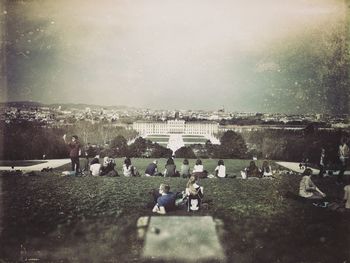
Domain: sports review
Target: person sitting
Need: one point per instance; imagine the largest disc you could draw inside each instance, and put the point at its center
(165, 200)
(152, 169)
(128, 168)
(198, 167)
(266, 169)
(220, 170)
(95, 167)
(198, 170)
(108, 167)
(307, 188)
(252, 171)
(185, 169)
(194, 192)
(170, 168)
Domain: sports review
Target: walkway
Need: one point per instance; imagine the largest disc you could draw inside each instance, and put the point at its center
(295, 167)
(53, 163)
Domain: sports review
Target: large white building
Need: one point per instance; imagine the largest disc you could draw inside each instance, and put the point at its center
(176, 127)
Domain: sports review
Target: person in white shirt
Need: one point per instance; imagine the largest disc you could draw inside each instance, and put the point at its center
(220, 170)
(198, 168)
(128, 168)
(347, 196)
(308, 189)
(95, 167)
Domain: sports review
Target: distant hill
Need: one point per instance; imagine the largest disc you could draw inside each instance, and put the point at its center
(32, 104)
(27, 104)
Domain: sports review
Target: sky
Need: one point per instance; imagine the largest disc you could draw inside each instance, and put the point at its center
(253, 55)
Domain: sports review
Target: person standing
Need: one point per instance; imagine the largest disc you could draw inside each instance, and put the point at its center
(343, 158)
(322, 164)
(74, 152)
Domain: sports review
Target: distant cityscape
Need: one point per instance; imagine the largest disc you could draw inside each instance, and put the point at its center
(56, 115)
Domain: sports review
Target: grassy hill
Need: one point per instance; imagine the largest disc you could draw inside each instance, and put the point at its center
(93, 219)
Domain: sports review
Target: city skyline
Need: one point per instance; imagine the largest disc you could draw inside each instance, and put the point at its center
(255, 56)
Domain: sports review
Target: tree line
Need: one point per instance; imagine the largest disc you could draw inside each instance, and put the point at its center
(28, 140)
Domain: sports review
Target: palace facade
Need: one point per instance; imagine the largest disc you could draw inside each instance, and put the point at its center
(176, 127)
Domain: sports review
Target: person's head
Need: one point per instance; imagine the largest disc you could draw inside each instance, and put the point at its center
(191, 181)
(127, 162)
(185, 162)
(155, 162)
(199, 162)
(323, 150)
(220, 162)
(307, 172)
(74, 138)
(170, 161)
(265, 164)
(164, 188)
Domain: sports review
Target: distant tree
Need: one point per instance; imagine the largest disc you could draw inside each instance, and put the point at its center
(118, 147)
(185, 152)
(232, 146)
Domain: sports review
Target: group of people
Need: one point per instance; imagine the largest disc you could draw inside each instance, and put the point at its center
(166, 201)
(253, 171)
(185, 169)
(308, 189)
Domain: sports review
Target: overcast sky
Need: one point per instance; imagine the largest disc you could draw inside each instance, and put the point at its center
(244, 55)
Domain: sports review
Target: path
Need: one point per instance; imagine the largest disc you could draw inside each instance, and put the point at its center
(53, 163)
(295, 167)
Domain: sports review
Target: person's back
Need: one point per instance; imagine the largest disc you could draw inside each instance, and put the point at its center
(167, 201)
(128, 170)
(95, 169)
(221, 171)
(185, 170)
(151, 169)
(253, 170)
(170, 170)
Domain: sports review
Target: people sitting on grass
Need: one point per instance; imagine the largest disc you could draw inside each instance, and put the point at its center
(164, 199)
(152, 169)
(252, 171)
(266, 169)
(185, 169)
(220, 170)
(128, 169)
(108, 167)
(95, 167)
(170, 168)
(194, 192)
(308, 189)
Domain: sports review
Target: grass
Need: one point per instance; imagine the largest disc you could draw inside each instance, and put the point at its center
(195, 140)
(87, 219)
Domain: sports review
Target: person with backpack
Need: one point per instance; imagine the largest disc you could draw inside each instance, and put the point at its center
(194, 192)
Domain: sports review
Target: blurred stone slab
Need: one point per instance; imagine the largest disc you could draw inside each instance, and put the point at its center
(182, 238)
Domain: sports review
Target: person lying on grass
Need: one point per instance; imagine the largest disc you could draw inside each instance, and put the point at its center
(165, 200)
(308, 189)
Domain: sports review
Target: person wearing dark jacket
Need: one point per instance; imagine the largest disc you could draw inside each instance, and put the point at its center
(74, 152)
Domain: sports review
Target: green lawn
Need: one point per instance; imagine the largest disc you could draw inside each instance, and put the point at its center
(195, 140)
(92, 219)
(156, 139)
